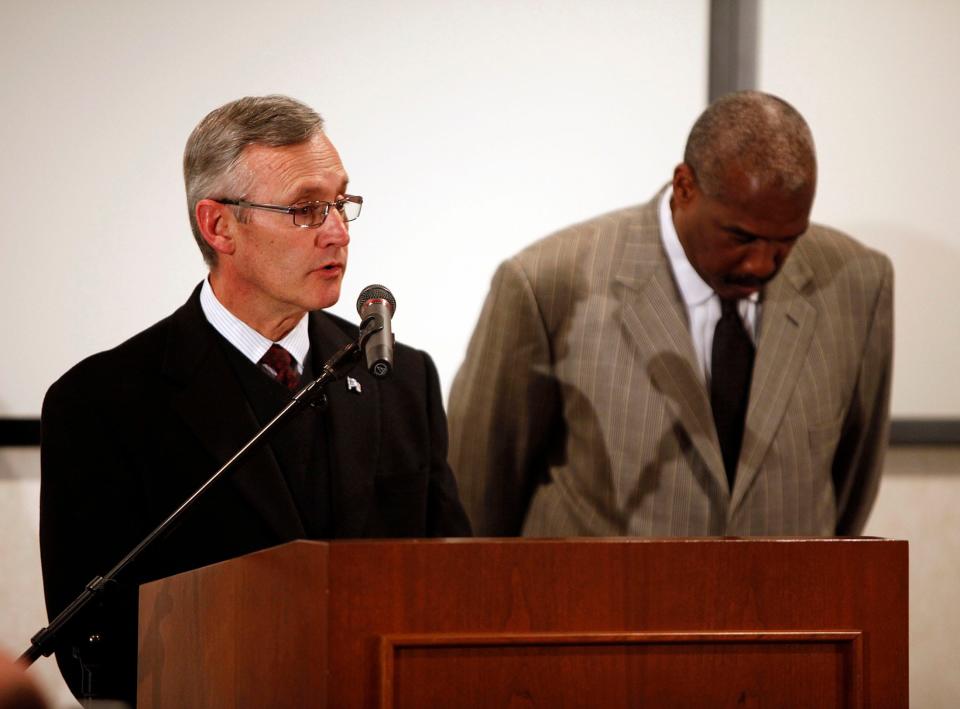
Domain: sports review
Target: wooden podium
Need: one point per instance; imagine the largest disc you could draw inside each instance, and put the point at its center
(534, 623)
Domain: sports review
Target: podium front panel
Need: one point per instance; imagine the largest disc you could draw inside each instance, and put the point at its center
(540, 623)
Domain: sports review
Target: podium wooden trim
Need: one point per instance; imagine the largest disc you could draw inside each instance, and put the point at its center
(523, 622)
(391, 644)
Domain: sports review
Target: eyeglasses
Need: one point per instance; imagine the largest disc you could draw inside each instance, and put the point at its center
(308, 214)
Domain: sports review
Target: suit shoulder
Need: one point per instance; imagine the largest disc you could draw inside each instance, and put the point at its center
(583, 254)
(596, 233)
(123, 370)
(134, 354)
(832, 253)
(835, 245)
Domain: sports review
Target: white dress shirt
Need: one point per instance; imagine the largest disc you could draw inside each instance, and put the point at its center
(251, 343)
(703, 305)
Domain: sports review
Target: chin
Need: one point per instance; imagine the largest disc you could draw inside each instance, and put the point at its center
(317, 291)
(325, 298)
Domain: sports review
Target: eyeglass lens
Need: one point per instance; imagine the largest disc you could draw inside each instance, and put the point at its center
(314, 213)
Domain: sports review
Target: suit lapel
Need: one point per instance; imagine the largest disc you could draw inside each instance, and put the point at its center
(209, 399)
(786, 331)
(354, 423)
(655, 318)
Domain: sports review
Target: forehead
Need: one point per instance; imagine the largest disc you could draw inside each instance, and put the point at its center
(313, 166)
(761, 208)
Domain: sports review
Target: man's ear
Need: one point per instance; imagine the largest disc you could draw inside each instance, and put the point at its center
(217, 225)
(684, 184)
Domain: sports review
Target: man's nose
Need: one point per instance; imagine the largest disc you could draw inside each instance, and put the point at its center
(763, 259)
(333, 231)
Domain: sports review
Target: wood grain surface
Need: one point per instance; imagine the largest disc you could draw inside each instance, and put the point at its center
(534, 623)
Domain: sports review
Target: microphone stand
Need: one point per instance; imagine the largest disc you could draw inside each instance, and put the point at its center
(43, 643)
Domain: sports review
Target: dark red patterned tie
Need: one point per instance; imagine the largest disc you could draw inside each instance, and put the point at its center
(280, 365)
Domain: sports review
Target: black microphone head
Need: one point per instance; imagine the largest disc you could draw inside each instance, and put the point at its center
(376, 292)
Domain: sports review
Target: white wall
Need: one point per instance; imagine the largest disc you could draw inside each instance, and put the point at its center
(470, 128)
(877, 80)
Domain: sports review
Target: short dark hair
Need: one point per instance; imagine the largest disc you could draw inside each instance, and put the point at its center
(760, 133)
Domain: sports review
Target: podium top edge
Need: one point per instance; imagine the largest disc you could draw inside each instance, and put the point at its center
(607, 540)
(681, 545)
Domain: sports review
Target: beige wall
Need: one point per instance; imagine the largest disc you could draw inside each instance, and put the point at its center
(22, 612)
(920, 501)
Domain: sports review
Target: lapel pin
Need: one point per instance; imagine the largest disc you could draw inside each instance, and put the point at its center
(354, 385)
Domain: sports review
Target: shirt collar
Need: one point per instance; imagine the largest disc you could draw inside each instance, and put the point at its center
(251, 343)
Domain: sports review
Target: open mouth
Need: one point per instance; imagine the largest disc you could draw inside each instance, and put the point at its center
(330, 269)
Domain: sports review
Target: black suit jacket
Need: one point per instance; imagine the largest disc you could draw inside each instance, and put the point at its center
(130, 433)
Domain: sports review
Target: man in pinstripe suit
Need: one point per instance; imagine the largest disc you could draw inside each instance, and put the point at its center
(586, 402)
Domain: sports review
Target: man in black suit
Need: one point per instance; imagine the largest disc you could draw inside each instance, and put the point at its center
(130, 433)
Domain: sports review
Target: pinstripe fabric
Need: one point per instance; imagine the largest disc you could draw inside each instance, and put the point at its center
(579, 409)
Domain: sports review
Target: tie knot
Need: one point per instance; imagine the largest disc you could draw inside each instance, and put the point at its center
(281, 365)
(728, 307)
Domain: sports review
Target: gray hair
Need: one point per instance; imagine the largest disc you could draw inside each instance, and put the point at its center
(761, 134)
(215, 148)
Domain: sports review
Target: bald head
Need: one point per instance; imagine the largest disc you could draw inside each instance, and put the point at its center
(756, 135)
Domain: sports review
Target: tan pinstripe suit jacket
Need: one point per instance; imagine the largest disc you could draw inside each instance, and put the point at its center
(580, 409)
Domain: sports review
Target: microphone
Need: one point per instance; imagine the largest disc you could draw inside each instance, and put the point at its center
(376, 305)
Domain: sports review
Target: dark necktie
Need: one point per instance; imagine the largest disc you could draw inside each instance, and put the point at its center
(731, 370)
(280, 365)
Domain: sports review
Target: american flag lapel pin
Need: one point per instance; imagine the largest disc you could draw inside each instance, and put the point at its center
(354, 386)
